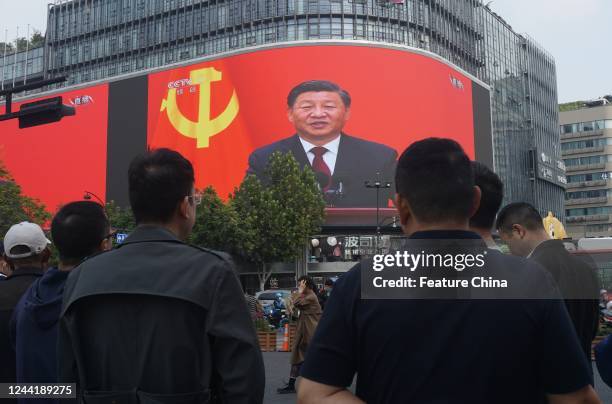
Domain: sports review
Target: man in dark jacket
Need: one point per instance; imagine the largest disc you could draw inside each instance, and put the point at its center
(79, 229)
(417, 349)
(158, 320)
(27, 253)
(521, 227)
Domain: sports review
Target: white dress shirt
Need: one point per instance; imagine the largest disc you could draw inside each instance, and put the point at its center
(329, 157)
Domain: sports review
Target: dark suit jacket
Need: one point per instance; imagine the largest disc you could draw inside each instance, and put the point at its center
(358, 161)
(577, 280)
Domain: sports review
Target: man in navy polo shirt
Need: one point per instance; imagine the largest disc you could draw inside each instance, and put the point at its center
(445, 351)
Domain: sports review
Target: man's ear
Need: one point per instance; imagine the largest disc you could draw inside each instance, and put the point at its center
(476, 198)
(347, 115)
(403, 208)
(106, 244)
(290, 114)
(46, 255)
(9, 262)
(520, 230)
(183, 208)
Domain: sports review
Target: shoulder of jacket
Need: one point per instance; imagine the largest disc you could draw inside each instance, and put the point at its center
(279, 145)
(220, 255)
(368, 144)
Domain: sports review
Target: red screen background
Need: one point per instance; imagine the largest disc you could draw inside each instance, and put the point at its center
(398, 97)
(57, 162)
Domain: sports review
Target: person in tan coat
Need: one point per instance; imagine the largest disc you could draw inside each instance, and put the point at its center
(306, 303)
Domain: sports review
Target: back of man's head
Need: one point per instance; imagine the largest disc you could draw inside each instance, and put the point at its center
(492, 193)
(78, 230)
(436, 179)
(519, 213)
(158, 181)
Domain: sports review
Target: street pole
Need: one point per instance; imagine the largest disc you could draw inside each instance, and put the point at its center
(378, 185)
(88, 196)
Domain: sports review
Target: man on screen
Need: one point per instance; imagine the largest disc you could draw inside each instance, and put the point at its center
(319, 109)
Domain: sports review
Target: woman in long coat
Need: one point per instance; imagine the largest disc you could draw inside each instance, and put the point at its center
(306, 301)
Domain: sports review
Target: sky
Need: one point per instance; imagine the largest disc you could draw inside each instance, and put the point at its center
(576, 32)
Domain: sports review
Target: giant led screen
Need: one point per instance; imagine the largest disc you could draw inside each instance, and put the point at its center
(357, 108)
(344, 109)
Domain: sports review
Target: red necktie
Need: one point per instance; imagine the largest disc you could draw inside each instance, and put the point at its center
(319, 165)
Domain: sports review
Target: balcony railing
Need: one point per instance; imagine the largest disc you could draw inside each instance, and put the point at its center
(587, 218)
(583, 184)
(587, 201)
(584, 167)
(590, 133)
(583, 150)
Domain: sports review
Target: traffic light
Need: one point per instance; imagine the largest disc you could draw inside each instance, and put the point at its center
(42, 112)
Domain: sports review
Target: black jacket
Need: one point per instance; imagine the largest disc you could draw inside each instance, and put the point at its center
(11, 290)
(157, 320)
(577, 281)
(34, 330)
(358, 161)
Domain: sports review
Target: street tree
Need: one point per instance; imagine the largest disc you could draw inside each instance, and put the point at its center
(121, 219)
(37, 39)
(15, 207)
(217, 225)
(278, 218)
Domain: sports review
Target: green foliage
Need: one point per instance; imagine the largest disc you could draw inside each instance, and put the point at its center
(120, 218)
(10, 48)
(278, 219)
(217, 225)
(16, 207)
(37, 39)
(262, 324)
(20, 44)
(571, 106)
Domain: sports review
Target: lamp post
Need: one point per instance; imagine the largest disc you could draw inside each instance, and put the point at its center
(88, 196)
(377, 185)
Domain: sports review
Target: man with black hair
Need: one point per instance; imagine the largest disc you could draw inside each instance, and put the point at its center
(318, 110)
(79, 230)
(521, 227)
(491, 196)
(156, 319)
(439, 350)
(26, 250)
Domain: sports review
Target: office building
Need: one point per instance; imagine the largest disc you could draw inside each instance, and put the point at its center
(586, 142)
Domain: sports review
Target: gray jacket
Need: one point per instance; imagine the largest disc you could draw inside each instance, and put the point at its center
(158, 320)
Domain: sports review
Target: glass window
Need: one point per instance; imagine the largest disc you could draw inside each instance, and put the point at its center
(585, 127)
(570, 128)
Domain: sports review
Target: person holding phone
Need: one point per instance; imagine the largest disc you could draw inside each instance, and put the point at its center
(305, 304)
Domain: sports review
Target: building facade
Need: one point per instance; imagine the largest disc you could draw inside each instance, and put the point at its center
(527, 154)
(586, 142)
(89, 40)
(13, 67)
(93, 39)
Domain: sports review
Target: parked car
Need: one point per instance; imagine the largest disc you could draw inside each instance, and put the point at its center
(268, 297)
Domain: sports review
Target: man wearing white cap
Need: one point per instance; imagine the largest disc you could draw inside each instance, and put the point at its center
(26, 249)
